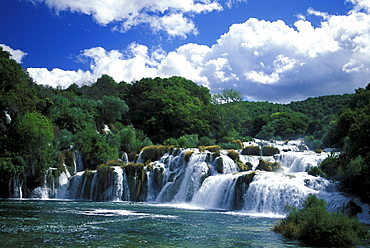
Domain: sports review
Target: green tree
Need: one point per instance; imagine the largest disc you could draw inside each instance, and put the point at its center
(94, 148)
(227, 96)
(36, 134)
(172, 107)
(111, 108)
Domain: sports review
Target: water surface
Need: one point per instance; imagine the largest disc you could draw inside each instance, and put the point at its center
(35, 223)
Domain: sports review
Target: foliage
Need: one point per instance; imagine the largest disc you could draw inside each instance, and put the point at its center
(35, 136)
(188, 141)
(133, 140)
(111, 108)
(350, 132)
(171, 107)
(229, 145)
(315, 226)
(94, 148)
(206, 141)
(316, 171)
(227, 96)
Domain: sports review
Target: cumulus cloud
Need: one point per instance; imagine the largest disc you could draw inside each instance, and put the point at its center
(263, 60)
(159, 15)
(17, 55)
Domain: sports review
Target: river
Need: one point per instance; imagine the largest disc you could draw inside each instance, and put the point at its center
(54, 223)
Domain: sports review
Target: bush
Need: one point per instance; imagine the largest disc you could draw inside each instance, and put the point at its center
(171, 142)
(205, 141)
(238, 142)
(316, 171)
(229, 145)
(317, 227)
(251, 150)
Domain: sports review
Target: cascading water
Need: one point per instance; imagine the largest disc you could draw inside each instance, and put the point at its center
(212, 181)
(216, 192)
(299, 161)
(78, 161)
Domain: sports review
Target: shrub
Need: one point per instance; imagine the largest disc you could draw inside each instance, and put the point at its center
(251, 150)
(205, 141)
(229, 145)
(318, 150)
(317, 227)
(270, 151)
(330, 166)
(316, 171)
(171, 142)
(238, 142)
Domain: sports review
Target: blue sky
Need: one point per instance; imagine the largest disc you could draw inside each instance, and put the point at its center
(269, 50)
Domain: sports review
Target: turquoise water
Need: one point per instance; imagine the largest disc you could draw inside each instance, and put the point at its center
(36, 223)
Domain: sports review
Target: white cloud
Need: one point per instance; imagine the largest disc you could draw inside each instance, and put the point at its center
(159, 15)
(17, 55)
(61, 78)
(263, 60)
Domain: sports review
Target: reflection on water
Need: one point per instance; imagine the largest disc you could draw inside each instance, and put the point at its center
(32, 223)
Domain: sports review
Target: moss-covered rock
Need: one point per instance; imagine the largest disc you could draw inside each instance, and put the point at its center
(153, 153)
(251, 150)
(213, 148)
(157, 179)
(187, 155)
(219, 164)
(105, 180)
(137, 181)
(234, 155)
(264, 165)
(270, 151)
(241, 187)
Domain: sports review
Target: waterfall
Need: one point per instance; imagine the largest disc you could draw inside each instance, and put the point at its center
(7, 117)
(300, 161)
(270, 192)
(118, 184)
(207, 180)
(15, 188)
(192, 178)
(216, 192)
(78, 161)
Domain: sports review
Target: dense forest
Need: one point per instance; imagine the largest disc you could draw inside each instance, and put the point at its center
(38, 124)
